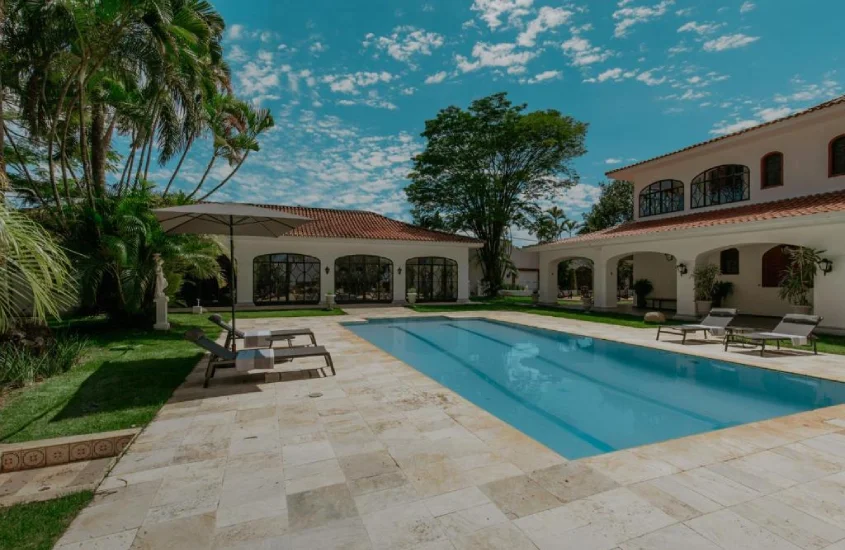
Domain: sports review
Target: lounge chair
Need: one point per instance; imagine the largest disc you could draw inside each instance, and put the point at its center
(251, 359)
(716, 322)
(796, 328)
(261, 338)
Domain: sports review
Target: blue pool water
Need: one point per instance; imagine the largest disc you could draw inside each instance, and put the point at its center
(582, 396)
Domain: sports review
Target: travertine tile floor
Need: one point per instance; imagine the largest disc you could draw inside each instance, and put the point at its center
(386, 458)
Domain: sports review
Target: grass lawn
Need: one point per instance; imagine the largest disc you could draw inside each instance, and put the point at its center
(523, 305)
(125, 378)
(38, 525)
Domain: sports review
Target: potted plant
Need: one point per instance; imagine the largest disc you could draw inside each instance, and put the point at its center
(535, 297)
(412, 296)
(721, 290)
(704, 279)
(586, 299)
(642, 288)
(330, 300)
(798, 277)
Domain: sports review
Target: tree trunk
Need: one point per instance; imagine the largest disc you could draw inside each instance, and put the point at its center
(150, 152)
(98, 148)
(178, 166)
(83, 148)
(4, 180)
(205, 175)
(226, 179)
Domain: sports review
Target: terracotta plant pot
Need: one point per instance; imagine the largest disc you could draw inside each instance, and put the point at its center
(703, 307)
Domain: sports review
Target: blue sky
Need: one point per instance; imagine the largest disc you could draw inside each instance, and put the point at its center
(351, 83)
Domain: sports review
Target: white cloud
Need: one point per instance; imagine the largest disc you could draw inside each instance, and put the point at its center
(581, 52)
(235, 32)
(318, 47)
(723, 128)
(678, 49)
(805, 92)
(410, 90)
(626, 17)
(258, 77)
(502, 55)
(700, 28)
(773, 113)
(613, 161)
(542, 77)
(437, 78)
(237, 54)
(547, 19)
(492, 11)
(404, 43)
(349, 83)
(729, 42)
(647, 78)
(615, 75)
(747, 7)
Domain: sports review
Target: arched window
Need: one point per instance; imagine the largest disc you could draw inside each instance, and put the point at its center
(775, 262)
(837, 156)
(360, 278)
(771, 170)
(435, 279)
(662, 197)
(729, 261)
(721, 185)
(285, 279)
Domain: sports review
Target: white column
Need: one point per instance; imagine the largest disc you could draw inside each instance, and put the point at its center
(828, 295)
(326, 279)
(686, 293)
(399, 281)
(604, 285)
(243, 275)
(547, 281)
(463, 276)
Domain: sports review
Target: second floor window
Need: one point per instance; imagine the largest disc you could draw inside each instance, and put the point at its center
(837, 156)
(721, 185)
(771, 170)
(662, 197)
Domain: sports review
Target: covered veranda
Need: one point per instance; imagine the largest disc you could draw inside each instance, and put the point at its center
(748, 249)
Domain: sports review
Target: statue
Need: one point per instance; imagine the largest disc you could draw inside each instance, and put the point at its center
(161, 282)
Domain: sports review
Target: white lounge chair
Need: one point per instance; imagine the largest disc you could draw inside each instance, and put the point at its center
(796, 328)
(716, 323)
(261, 338)
(252, 359)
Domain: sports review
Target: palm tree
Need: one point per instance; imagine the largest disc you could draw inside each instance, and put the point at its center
(34, 271)
(570, 226)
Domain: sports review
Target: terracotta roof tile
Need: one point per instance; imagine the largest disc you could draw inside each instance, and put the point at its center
(786, 208)
(360, 224)
(827, 104)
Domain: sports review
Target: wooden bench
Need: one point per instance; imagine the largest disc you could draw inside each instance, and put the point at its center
(658, 303)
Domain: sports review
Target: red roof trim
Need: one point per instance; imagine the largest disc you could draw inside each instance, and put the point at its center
(785, 208)
(827, 104)
(360, 224)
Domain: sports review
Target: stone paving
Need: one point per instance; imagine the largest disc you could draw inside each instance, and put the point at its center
(386, 458)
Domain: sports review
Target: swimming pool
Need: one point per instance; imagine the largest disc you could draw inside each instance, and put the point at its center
(583, 396)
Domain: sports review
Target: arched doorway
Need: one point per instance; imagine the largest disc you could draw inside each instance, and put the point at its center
(285, 279)
(363, 279)
(434, 278)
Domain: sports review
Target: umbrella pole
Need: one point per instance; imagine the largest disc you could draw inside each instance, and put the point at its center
(234, 292)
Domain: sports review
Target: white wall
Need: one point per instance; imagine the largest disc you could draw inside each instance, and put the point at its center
(328, 250)
(804, 143)
(654, 267)
(749, 295)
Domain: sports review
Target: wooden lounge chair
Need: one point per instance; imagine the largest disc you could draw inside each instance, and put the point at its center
(716, 322)
(251, 359)
(796, 328)
(261, 338)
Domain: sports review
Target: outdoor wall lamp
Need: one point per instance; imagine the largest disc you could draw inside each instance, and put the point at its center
(669, 257)
(399, 271)
(682, 268)
(327, 270)
(826, 266)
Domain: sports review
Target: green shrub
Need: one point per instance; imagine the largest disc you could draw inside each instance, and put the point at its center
(21, 364)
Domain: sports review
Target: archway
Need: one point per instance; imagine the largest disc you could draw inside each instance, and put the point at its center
(574, 276)
(434, 278)
(363, 279)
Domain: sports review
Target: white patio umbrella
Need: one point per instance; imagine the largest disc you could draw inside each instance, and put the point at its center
(227, 218)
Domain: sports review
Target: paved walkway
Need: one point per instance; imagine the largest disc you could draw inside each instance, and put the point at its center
(382, 457)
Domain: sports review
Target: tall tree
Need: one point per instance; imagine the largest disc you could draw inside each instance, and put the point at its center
(486, 168)
(615, 206)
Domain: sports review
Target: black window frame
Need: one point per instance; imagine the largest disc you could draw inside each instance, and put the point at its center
(294, 264)
(711, 187)
(421, 273)
(662, 197)
(765, 170)
(357, 289)
(729, 261)
(836, 157)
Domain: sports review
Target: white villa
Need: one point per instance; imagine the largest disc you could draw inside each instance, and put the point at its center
(734, 201)
(361, 257)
